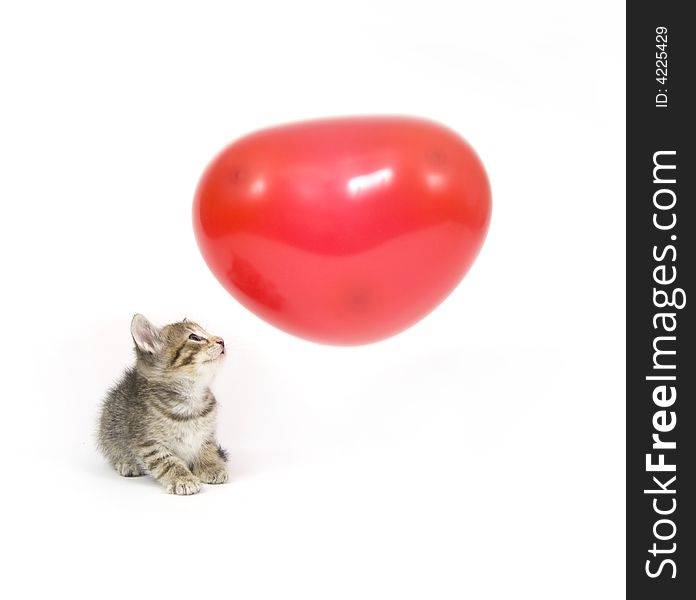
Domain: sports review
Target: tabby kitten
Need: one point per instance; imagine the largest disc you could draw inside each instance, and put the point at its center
(160, 418)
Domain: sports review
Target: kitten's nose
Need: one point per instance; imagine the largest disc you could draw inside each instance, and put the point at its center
(221, 342)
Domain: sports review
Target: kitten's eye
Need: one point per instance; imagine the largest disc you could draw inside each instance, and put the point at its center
(195, 338)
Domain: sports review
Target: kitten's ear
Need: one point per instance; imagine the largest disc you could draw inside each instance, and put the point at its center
(146, 336)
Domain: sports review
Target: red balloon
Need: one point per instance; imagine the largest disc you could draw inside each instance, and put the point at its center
(345, 230)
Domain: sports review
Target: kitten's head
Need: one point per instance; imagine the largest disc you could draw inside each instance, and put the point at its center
(179, 351)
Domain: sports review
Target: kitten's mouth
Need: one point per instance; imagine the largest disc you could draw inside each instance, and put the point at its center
(218, 357)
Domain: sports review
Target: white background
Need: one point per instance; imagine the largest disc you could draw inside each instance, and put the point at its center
(479, 455)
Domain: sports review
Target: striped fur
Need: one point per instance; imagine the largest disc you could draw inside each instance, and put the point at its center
(159, 419)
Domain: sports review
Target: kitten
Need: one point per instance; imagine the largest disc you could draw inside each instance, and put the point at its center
(160, 418)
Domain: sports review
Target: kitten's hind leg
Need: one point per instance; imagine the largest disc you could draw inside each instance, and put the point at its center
(169, 470)
(209, 466)
(128, 469)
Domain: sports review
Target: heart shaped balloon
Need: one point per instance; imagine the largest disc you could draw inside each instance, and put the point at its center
(344, 230)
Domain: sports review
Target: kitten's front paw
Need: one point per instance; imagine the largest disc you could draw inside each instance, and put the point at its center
(184, 486)
(214, 475)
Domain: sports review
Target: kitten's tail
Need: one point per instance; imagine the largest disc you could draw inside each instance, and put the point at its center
(222, 453)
